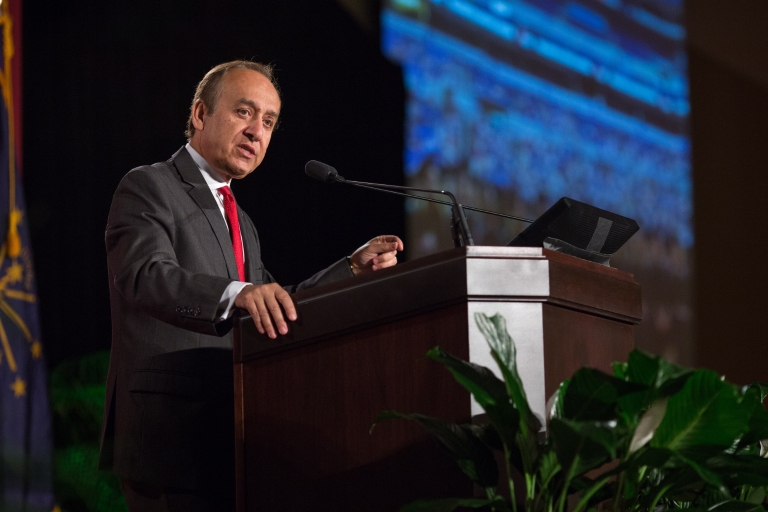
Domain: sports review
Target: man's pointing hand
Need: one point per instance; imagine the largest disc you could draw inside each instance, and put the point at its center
(381, 252)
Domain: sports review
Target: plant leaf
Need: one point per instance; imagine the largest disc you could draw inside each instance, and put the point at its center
(461, 443)
(735, 506)
(503, 351)
(660, 377)
(556, 403)
(762, 388)
(707, 411)
(581, 446)
(450, 504)
(740, 469)
(756, 495)
(652, 371)
(758, 421)
(681, 484)
(488, 390)
(707, 476)
(593, 395)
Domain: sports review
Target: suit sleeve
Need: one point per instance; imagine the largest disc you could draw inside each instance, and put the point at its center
(143, 263)
(336, 272)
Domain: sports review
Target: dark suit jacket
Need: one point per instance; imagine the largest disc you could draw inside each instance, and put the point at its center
(168, 415)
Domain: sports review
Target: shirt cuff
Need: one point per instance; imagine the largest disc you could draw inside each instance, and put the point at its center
(227, 302)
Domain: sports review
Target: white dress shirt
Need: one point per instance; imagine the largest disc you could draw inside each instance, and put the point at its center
(215, 181)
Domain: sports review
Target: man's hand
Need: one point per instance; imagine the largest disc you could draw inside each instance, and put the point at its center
(263, 303)
(381, 252)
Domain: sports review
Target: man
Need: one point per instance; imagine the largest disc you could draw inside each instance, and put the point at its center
(182, 257)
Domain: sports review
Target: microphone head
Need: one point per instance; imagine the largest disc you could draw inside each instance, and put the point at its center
(321, 171)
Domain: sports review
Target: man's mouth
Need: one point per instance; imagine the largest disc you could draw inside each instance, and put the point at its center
(247, 150)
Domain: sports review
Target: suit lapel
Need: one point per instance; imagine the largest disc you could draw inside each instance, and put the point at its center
(202, 195)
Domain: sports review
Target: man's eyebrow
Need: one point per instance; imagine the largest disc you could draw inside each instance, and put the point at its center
(252, 104)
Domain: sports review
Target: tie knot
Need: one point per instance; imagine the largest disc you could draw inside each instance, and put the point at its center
(226, 192)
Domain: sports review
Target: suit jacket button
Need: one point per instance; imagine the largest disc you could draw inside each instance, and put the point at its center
(197, 312)
(178, 309)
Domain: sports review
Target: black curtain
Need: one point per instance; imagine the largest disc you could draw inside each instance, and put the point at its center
(107, 87)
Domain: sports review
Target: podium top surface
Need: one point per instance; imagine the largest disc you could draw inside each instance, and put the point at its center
(465, 274)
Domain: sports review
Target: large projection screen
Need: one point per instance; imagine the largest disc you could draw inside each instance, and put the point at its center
(514, 104)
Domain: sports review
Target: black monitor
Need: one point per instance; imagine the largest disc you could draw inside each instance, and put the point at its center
(578, 229)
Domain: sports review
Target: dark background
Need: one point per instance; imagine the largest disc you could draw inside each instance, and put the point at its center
(107, 87)
(728, 69)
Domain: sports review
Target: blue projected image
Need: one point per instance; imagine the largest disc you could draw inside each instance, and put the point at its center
(514, 104)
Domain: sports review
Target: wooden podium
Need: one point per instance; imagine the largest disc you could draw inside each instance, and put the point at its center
(304, 403)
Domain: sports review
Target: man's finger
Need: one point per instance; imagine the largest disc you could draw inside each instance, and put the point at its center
(381, 258)
(277, 313)
(384, 260)
(250, 306)
(254, 312)
(388, 239)
(285, 300)
(263, 314)
(380, 248)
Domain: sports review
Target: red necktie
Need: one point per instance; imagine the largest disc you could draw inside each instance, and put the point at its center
(230, 210)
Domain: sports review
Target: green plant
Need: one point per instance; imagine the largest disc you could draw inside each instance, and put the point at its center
(652, 436)
(77, 394)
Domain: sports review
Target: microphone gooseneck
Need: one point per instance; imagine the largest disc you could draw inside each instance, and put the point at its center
(459, 227)
(315, 171)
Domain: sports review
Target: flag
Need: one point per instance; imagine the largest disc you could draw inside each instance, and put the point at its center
(26, 474)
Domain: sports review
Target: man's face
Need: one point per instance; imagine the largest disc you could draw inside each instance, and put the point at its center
(234, 138)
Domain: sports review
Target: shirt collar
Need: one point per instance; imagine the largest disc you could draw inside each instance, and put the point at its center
(213, 179)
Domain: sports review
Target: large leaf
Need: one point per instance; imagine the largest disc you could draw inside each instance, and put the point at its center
(652, 371)
(740, 469)
(707, 475)
(593, 395)
(762, 389)
(548, 467)
(756, 495)
(461, 443)
(758, 422)
(735, 506)
(581, 446)
(707, 411)
(681, 484)
(660, 377)
(451, 504)
(488, 390)
(503, 351)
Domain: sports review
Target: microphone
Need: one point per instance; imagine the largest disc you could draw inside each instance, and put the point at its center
(459, 227)
(322, 172)
(328, 174)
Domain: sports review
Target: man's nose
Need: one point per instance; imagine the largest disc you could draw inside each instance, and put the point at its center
(255, 130)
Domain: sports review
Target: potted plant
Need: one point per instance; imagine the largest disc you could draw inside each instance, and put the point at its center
(653, 436)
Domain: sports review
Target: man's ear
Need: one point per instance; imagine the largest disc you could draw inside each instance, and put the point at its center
(199, 111)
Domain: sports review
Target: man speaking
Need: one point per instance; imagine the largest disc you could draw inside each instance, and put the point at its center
(182, 257)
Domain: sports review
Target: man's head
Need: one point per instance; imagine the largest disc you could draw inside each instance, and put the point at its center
(233, 114)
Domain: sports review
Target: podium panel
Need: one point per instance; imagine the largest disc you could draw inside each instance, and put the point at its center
(304, 403)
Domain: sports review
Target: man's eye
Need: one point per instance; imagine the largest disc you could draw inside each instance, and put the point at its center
(269, 122)
(242, 111)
